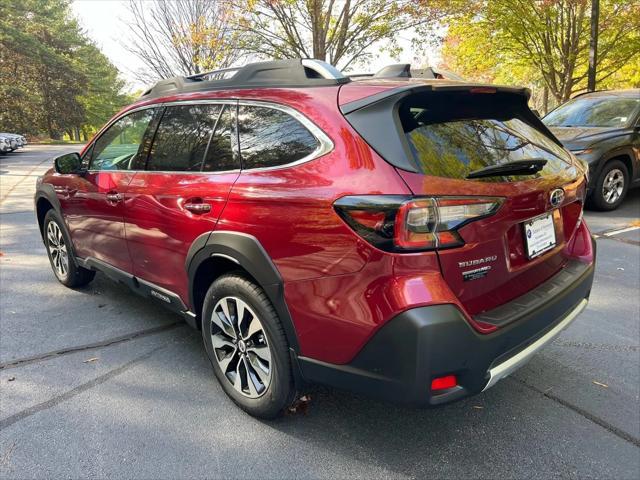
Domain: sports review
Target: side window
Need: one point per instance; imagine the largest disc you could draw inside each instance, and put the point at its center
(270, 137)
(182, 137)
(223, 147)
(120, 145)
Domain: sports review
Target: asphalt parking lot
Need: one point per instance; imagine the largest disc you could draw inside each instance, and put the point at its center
(98, 382)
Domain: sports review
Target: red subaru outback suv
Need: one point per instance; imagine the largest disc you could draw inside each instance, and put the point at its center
(415, 240)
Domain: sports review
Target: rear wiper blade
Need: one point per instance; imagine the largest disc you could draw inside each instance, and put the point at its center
(518, 167)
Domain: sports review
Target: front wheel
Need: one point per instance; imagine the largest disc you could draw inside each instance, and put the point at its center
(60, 251)
(247, 346)
(611, 186)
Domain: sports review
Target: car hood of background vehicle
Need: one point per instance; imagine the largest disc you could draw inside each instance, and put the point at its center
(582, 136)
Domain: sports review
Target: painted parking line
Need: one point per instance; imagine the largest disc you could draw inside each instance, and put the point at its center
(611, 233)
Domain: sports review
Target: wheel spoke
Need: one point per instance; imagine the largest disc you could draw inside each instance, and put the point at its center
(64, 263)
(259, 368)
(220, 342)
(51, 238)
(262, 352)
(251, 379)
(237, 381)
(254, 327)
(241, 313)
(222, 319)
(226, 360)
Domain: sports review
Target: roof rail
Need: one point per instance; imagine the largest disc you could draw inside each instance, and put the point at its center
(404, 70)
(301, 72)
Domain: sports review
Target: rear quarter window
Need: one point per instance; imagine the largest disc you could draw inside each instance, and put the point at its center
(270, 137)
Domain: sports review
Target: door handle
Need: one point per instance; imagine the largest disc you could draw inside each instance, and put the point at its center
(65, 191)
(114, 197)
(197, 207)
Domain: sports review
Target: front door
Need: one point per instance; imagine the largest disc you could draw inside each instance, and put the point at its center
(94, 204)
(192, 165)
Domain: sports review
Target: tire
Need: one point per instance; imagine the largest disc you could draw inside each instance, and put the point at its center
(251, 361)
(60, 251)
(611, 186)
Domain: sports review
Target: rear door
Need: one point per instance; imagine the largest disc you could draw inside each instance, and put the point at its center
(192, 164)
(522, 245)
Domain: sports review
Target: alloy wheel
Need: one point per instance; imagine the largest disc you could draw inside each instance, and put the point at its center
(613, 186)
(240, 347)
(57, 249)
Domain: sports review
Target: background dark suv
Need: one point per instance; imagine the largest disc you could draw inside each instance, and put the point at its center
(416, 240)
(603, 129)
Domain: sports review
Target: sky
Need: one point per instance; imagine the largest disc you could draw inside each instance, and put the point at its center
(105, 21)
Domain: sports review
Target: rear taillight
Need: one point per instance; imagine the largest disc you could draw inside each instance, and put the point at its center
(401, 224)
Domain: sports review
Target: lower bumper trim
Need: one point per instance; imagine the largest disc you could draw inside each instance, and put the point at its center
(507, 367)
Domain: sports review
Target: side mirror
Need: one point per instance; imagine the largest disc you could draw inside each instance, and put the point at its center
(68, 163)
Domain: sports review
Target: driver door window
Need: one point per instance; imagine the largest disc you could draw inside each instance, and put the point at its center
(121, 146)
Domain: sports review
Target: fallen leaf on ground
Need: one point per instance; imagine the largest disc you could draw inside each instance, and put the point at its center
(621, 269)
(102, 305)
(478, 407)
(11, 379)
(89, 360)
(301, 405)
(601, 384)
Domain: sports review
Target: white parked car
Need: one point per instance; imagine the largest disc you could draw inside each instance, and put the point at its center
(5, 145)
(15, 140)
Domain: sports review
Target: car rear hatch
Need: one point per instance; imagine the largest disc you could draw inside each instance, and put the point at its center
(506, 229)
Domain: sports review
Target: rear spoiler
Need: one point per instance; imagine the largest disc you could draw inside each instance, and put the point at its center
(413, 88)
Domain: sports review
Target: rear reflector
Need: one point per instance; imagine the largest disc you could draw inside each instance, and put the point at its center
(443, 383)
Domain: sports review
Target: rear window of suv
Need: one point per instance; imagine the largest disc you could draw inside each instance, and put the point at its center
(452, 135)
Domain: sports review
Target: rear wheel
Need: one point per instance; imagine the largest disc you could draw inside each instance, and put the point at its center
(247, 347)
(60, 251)
(611, 186)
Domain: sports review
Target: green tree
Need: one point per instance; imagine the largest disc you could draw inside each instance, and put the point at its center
(544, 44)
(52, 79)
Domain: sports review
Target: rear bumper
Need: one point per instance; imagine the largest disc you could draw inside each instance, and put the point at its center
(423, 343)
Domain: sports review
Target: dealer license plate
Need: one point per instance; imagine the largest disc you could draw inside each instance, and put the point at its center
(540, 235)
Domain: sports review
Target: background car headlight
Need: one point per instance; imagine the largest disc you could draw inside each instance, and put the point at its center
(582, 152)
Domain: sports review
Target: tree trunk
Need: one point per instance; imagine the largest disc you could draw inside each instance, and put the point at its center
(593, 45)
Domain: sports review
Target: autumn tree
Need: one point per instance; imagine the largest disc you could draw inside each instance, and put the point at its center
(544, 43)
(341, 32)
(181, 37)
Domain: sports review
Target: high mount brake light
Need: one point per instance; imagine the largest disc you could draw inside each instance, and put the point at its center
(403, 224)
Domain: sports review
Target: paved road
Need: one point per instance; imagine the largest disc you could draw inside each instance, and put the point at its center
(148, 406)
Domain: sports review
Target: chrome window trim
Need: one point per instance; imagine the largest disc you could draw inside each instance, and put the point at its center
(325, 145)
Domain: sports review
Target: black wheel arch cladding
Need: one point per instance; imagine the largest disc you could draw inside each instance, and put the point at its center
(248, 253)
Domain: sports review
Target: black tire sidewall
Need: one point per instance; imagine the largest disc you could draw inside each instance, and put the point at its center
(280, 392)
(597, 198)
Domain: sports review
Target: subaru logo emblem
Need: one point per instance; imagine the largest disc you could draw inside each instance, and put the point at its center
(556, 197)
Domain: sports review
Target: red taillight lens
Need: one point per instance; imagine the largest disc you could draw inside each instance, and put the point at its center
(399, 223)
(443, 383)
(433, 223)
